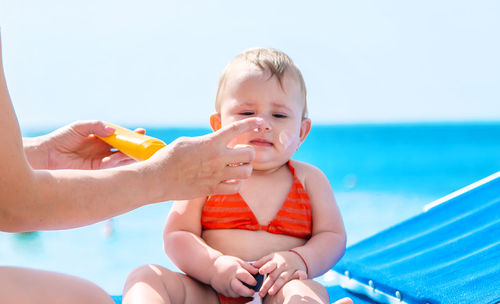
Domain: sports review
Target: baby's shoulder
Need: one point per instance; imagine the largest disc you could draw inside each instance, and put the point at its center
(306, 173)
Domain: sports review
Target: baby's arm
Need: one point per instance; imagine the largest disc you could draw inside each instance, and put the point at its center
(326, 245)
(191, 254)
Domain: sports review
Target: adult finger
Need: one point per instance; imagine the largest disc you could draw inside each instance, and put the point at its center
(240, 154)
(88, 127)
(227, 187)
(140, 131)
(237, 172)
(229, 132)
(116, 159)
(97, 127)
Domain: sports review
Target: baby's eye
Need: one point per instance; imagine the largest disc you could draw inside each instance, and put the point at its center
(247, 113)
(279, 115)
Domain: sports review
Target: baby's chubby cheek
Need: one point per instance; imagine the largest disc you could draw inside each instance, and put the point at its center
(288, 140)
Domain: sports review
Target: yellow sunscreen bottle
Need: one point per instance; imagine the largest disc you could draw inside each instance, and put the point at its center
(137, 146)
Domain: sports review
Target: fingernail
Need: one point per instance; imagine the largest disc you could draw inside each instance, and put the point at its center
(259, 120)
(109, 129)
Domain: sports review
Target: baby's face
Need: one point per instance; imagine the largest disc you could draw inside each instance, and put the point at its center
(251, 93)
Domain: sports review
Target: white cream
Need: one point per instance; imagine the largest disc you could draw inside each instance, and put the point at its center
(287, 140)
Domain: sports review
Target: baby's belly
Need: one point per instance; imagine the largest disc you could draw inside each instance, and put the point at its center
(249, 245)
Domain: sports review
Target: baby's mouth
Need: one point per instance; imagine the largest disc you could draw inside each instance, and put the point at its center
(261, 143)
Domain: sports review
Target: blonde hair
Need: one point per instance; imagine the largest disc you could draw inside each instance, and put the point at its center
(266, 59)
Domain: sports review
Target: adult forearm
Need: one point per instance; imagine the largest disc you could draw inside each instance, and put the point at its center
(60, 199)
(35, 153)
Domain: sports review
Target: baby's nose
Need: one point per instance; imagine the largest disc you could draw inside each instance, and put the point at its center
(266, 126)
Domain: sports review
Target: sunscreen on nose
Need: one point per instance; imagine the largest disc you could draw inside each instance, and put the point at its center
(137, 146)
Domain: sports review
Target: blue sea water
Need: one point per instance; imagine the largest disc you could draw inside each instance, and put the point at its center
(381, 174)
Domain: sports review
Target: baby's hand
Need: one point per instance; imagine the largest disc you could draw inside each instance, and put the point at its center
(281, 267)
(231, 272)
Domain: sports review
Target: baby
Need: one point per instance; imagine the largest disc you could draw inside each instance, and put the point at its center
(265, 243)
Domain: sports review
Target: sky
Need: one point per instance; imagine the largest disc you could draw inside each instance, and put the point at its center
(157, 63)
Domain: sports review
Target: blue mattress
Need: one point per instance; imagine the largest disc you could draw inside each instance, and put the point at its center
(449, 254)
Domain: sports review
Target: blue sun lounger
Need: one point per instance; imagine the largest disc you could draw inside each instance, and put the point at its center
(448, 254)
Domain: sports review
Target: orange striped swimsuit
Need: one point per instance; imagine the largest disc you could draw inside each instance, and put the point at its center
(232, 212)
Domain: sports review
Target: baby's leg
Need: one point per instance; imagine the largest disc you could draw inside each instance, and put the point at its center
(155, 284)
(300, 291)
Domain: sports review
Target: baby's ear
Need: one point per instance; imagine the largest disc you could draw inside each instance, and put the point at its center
(304, 129)
(215, 121)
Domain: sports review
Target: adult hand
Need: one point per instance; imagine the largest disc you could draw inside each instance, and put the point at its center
(281, 268)
(200, 166)
(75, 147)
(229, 274)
